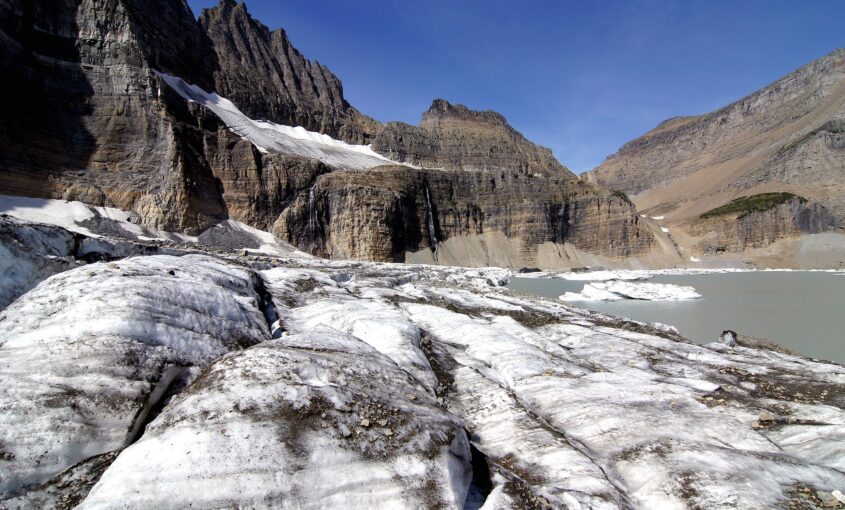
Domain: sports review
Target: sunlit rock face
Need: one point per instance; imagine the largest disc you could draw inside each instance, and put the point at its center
(457, 138)
(786, 137)
(261, 72)
(389, 211)
(758, 229)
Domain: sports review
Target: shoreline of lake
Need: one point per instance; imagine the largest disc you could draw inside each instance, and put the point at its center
(800, 310)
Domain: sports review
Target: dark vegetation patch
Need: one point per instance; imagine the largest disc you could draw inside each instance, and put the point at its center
(618, 193)
(754, 203)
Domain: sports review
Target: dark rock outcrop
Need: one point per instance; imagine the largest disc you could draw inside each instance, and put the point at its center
(88, 121)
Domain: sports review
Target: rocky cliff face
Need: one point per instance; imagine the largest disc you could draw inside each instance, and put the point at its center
(88, 121)
(758, 229)
(786, 137)
(386, 212)
(771, 118)
(96, 122)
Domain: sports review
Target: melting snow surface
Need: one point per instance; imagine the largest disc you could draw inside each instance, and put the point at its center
(58, 212)
(316, 383)
(271, 137)
(83, 219)
(79, 353)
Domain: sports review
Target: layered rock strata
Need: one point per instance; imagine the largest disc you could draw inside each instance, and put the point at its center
(384, 212)
(98, 122)
(739, 232)
(786, 137)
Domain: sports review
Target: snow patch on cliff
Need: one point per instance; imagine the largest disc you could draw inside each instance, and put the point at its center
(97, 222)
(272, 137)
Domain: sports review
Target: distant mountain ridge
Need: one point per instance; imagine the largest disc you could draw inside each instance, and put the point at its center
(786, 137)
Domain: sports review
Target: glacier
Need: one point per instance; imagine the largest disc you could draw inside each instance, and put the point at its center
(177, 374)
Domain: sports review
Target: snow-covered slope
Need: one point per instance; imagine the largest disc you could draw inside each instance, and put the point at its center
(271, 137)
(98, 222)
(314, 384)
(317, 420)
(29, 253)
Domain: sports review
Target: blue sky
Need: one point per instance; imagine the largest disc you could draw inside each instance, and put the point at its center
(581, 77)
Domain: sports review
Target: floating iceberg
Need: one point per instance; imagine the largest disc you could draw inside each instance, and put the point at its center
(618, 290)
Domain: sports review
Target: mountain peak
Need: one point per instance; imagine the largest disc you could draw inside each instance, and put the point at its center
(442, 112)
(454, 137)
(268, 78)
